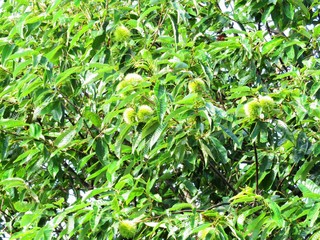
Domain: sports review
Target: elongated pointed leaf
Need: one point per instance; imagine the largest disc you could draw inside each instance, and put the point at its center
(11, 123)
(65, 138)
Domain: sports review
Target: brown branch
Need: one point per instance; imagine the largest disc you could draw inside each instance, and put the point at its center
(79, 112)
(75, 175)
(216, 171)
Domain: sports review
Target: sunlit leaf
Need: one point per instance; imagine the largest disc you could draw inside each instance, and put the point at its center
(65, 138)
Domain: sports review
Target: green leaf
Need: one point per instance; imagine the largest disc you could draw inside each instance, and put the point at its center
(21, 67)
(315, 88)
(44, 233)
(13, 182)
(219, 151)
(301, 146)
(6, 52)
(315, 236)
(309, 189)
(316, 31)
(289, 10)
(174, 23)
(179, 206)
(148, 129)
(299, 3)
(276, 216)
(125, 180)
(64, 75)
(158, 132)
(23, 206)
(231, 135)
(28, 53)
(70, 224)
(65, 138)
(29, 218)
(271, 45)
(34, 83)
(4, 141)
(123, 133)
(266, 180)
(54, 5)
(304, 170)
(313, 215)
(160, 93)
(259, 127)
(35, 131)
(242, 217)
(27, 156)
(149, 10)
(136, 192)
(98, 41)
(84, 160)
(97, 173)
(102, 150)
(215, 111)
(54, 167)
(93, 193)
(76, 37)
(207, 71)
(206, 152)
(240, 92)
(53, 55)
(255, 225)
(176, 113)
(189, 186)
(284, 128)
(11, 123)
(93, 117)
(188, 100)
(316, 149)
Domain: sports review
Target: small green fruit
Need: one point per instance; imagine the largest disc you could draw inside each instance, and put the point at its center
(127, 228)
(144, 113)
(129, 115)
(130, 79)
(122, 85)
(133, 78)
(122, 34)
(253, 109)
(196, 86)
(267, 104)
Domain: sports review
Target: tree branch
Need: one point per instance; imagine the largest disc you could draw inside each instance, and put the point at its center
(75, 175)
(216, 171)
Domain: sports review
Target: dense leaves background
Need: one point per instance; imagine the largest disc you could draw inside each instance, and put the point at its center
(197, 166)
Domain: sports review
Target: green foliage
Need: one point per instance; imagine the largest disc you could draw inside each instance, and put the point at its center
(189, 119)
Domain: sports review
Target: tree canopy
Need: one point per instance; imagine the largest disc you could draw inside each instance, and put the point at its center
(157, 119)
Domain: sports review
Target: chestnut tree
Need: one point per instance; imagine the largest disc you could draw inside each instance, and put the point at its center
(158, 119)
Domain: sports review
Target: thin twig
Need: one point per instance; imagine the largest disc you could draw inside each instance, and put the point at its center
(216, 171)
(79, 112)
(290, 172)
(76, 176)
